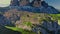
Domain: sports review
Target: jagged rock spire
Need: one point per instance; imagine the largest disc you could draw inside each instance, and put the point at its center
(19, 2)
(43, 3)
(14, 3)
(23, 2)
(36, 3)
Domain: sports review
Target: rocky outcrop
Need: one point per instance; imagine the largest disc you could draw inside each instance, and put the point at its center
(19, 2)
(24, 2)
(14, 3)
(4, 21)
(42, 7)
(36, 3)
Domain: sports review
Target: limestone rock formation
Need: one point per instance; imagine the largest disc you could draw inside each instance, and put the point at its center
(24, 2)
(36, 3)
(35, 6)
(41, 7)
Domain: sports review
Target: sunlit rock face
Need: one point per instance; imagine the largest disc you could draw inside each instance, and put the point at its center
(24, 2)
(35, 3)
(12, 15)
(19, 2)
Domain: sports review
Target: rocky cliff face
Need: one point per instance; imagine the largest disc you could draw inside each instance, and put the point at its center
(35, 6)
(19, 2)
(23, 2)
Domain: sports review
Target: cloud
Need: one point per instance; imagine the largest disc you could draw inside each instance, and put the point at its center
(5, 1)
(4, 5)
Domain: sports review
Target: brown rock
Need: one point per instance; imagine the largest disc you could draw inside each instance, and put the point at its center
(23, 2)
(37, 3)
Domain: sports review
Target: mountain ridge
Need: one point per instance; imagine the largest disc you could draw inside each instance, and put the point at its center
(44, 8)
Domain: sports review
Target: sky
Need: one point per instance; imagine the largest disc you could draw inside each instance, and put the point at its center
(54, 3)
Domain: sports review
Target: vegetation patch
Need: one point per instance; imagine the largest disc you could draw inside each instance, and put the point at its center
(20, 30)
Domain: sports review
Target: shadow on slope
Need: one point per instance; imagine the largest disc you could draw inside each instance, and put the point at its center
(5, 22)
(4, 30)
(47, 27)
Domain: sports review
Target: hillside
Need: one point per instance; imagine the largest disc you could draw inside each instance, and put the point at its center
(26, 20)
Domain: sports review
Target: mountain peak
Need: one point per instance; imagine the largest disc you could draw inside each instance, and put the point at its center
(39, 6)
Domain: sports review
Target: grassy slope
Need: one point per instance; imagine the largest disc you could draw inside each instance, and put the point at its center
(56, 16)
(20, 30)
